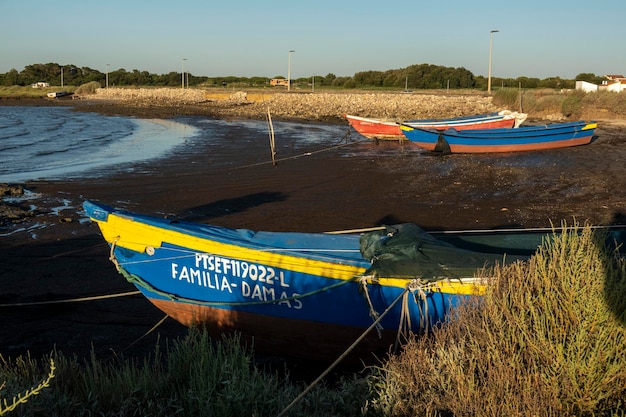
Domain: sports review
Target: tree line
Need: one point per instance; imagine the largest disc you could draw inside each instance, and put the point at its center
(421, 76)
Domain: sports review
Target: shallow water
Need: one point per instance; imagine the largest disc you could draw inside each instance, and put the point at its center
(55, 142)
(38, 143)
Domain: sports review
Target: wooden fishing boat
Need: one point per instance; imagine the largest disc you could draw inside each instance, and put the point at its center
(388, 130)
(293, 294)
(308, 295)
(524, 138)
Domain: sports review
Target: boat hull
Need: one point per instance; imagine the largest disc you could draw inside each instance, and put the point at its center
(386, 130)
(502, 140)
(280, 336)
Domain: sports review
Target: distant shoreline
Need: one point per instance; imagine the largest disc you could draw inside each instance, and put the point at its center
(321, 107)
(328, 107)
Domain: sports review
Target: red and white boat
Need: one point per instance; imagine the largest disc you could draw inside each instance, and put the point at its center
(388, 130)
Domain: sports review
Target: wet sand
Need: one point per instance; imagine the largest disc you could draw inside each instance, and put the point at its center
(64, 258)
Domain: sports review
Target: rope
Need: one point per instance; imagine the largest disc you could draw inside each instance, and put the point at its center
(137, 280)
(112, 257)
(153, 328)
(347, 138)
(275, 161)
(72, 300)
(343, 355)
(373, 312)
(405, 327)
(322, 254)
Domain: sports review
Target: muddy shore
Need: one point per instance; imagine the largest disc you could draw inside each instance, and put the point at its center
(58, 255)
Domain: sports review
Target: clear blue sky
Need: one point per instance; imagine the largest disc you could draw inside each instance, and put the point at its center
(252, 38)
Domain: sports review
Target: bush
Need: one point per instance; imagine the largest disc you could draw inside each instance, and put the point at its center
(606, 102)
(349, 84)
(89, 88)
(547, 339)
(548, 103)
(506, 98)
(572, 105)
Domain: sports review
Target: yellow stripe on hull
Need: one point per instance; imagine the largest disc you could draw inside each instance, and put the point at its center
(137, 236)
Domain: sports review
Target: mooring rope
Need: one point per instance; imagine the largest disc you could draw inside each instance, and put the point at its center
(112, 257)
(320, 254)
(404, 327)
(344, 354)
(153, 328)
(373, 313)
(346, 137)
(418, 288)
(137, 280)
(72, 300)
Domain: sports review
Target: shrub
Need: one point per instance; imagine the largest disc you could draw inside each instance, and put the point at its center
(572, 105)
(606, 101)
(549, 103)
(547, 339)
(89, 88)
(506, 98)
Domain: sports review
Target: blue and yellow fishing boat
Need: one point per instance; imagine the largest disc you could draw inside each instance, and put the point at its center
(297, 294)
(523, 138)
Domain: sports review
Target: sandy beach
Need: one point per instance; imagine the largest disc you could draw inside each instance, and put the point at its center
(59, 256)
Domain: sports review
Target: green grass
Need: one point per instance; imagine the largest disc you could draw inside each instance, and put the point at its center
(29, 92)
(194, 377)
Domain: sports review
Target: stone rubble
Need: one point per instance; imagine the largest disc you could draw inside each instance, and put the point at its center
(308, 106)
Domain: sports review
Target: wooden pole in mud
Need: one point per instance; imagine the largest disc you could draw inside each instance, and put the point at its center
(272, 141)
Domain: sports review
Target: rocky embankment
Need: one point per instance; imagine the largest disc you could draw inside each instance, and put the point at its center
(296, 105)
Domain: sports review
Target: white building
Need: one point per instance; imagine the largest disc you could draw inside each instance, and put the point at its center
(586, 87)
(614, 83)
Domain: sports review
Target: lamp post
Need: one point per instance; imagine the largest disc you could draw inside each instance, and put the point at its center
(107, 77)
(490, 48)
(183, 73)
(289, 72)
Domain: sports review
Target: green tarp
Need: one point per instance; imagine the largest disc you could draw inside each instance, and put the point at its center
(405, 250)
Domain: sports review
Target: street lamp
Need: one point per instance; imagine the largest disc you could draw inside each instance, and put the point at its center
(490, 48)
(289, 72)
(183, 73)
(107, 77)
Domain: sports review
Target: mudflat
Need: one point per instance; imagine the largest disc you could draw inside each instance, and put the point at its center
(50, 270)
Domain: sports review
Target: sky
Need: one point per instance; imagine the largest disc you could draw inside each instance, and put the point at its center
(245, 38)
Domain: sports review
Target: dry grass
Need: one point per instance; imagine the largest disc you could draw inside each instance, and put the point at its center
(547, 339)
